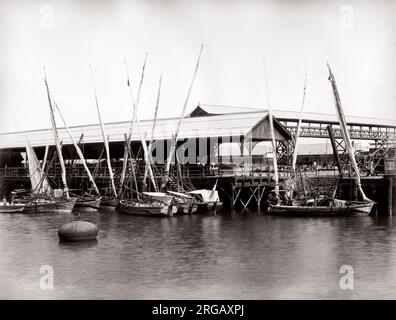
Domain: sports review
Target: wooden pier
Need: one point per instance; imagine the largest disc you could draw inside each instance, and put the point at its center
(243, 181)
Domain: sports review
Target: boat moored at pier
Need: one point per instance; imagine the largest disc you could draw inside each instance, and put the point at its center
(89, 202)
(6, 207)
(50, 205)
(335, 207)
(207, 200)
(148, 208)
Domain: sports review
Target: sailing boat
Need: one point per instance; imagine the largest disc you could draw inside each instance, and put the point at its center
(329, 207)
(107, 200)
(366, 205)
(60, 200)
(146, 203)
(90, 201)
(185, 203)
(11, 207)
(38, 183)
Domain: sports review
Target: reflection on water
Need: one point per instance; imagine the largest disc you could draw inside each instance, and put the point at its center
(227, 256)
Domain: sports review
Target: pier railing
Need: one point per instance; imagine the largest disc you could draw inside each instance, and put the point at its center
(263, 169)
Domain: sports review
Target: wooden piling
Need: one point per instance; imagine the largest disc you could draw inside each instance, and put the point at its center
(390, 195)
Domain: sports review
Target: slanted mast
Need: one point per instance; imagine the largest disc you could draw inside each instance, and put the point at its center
(175, 139)
(105, 140)
(136, 118)
(56, 138)
(128, 136)
(345, 133)
(79, 152)
(149, 160)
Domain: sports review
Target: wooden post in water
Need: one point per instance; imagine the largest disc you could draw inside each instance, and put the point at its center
(390, 195)
(258, 198)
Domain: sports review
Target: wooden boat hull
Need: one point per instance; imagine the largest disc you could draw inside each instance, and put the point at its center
(89, 202)
(187, 208)
(143, 210)
(350, 208)
(11, 208)
(362, 208)
(210, 206)
(62, 206)
(108, 202)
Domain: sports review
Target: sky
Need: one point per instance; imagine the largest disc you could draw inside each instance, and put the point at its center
(293, 38)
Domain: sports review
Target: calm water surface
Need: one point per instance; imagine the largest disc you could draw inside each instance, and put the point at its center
(227, 256)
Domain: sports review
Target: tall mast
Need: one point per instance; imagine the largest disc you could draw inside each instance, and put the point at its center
(152, 130)
(345, 133)
(174, 140)
(142, 138)
(45, 156)
(146, 155)
(79, 152)
(135, 104)
(56, 139)
(128, 151)
(293, 171)
(106, 142)
(273, 142)
(43, 180)
(134, 115)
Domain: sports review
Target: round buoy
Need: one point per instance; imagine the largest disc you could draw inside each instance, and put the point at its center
(78, 231)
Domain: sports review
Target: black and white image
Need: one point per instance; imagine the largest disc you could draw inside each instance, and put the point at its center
(190, 150)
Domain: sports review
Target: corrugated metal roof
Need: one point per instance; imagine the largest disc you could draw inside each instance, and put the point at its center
(229, 125)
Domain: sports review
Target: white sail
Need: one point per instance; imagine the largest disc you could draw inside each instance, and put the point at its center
(38, 181)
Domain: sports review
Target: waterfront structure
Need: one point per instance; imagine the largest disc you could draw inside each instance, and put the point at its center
(242, 179)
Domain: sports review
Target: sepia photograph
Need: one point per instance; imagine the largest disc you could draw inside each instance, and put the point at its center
(185, 150)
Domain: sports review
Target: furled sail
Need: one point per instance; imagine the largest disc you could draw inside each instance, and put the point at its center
(345, 133)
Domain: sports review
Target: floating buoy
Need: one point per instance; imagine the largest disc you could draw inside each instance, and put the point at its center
(78, 231)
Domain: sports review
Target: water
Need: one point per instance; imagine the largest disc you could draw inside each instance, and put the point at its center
(227, 256)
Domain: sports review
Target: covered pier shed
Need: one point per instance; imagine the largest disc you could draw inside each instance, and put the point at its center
(204, 132)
